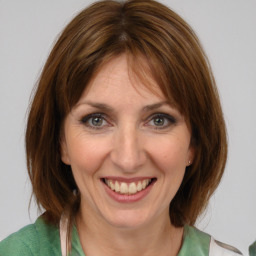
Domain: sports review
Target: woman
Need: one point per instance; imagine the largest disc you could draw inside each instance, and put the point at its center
(125, 138)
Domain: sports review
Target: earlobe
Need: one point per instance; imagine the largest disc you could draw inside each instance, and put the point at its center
(191, 155)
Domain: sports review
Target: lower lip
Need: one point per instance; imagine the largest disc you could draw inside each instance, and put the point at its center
(128, 198)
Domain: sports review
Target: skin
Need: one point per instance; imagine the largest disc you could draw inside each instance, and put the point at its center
(127, 141)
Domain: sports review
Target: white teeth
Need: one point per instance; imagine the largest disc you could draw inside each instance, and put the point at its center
(132, 188)
(139, 186)
(117, 187)
(111, 184)
(125, 188)
(144, 184)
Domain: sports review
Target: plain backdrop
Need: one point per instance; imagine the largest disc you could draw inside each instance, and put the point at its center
(227, 30)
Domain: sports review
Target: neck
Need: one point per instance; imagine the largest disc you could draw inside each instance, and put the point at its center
(100, 238)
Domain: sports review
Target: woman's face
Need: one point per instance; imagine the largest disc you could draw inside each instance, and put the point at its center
(127, 147)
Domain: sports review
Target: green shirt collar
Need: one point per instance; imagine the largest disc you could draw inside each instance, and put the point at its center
(195, 242)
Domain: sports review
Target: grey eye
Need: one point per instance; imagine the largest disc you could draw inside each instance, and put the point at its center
(159, 121)
(96, 121)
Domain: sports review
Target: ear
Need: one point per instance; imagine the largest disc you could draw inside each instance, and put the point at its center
(64, 150)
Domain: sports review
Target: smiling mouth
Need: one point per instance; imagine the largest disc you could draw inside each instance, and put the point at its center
(131, 188)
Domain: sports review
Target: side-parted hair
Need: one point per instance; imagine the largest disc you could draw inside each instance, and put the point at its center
(143, 30)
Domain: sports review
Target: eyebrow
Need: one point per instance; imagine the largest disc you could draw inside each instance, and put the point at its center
(105, 107)
(155, 106)
(97, 105)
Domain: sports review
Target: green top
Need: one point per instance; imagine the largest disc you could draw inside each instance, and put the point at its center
(42, 239)
(252, 249)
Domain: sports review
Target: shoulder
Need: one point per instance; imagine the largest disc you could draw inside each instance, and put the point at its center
(39, 238)
(196, 242)
(252, 249)
(219, 248)
(22, 242)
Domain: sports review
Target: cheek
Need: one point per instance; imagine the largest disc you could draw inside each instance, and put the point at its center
(86, 154)
(170, 154)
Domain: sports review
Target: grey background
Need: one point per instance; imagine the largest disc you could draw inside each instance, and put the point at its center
(227, 30)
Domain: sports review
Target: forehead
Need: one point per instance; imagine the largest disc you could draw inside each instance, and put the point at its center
(118, 78)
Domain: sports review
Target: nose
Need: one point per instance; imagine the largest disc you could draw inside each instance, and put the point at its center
(128, 152)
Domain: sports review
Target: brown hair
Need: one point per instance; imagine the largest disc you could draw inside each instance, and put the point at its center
(139, 28)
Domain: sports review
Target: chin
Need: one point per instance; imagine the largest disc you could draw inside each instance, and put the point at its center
(128, 219)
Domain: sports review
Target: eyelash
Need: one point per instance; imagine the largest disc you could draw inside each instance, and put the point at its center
(166, 117)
